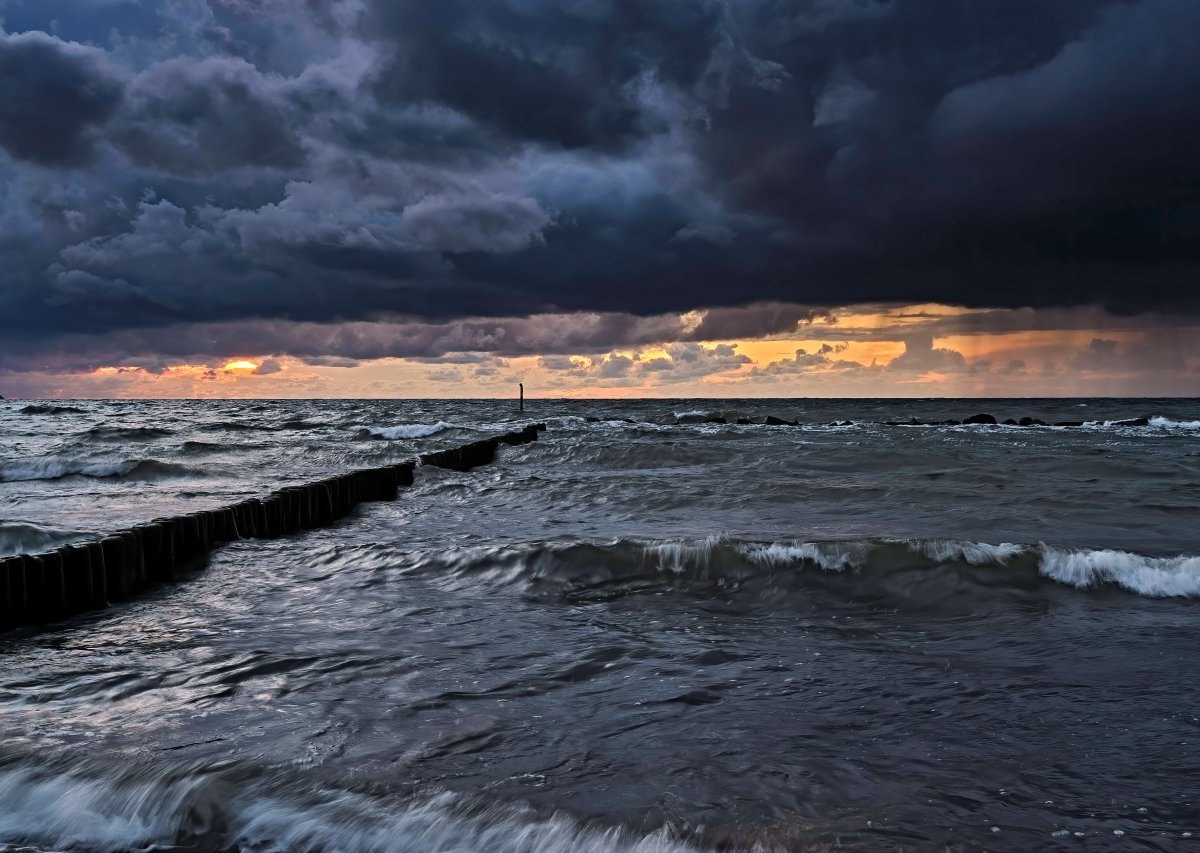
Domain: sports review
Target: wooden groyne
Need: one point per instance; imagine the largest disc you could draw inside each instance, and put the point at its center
(40, 588)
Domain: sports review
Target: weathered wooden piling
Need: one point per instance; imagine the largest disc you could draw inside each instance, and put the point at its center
(12, 590)
(99, 574)
(77, 579)
(115, 576)
(54, 593)
(37, 588)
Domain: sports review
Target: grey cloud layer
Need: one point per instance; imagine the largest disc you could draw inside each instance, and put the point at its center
(344, 344)
(346, 161)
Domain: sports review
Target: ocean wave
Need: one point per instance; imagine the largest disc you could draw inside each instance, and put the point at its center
(233, 426)
(299, 425)
(1168, 423)
(580, 566)
(419, 430)
(48, 409)
(1155, 577)
(403, 431)
(137, 807)
(193, 448)
(26, 537)
(699, 416)
(55, 468)
(109, 433)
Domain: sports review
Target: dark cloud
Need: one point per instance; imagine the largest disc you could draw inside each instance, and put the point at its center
(54, 95)
(196, 117)
(563, 72)
(354, 161)
(345, 344)
(755, 321)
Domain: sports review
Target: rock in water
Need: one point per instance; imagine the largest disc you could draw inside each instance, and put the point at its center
(1027, 421)
(774, 421)
(980, 419)
(1133, 422)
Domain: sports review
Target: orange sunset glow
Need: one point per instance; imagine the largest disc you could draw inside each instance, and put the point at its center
(910, 350)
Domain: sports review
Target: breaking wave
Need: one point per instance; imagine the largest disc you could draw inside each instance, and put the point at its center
(1168, 423)
(26, 537)
(87, 807)
(402, 431)
(577, 566)
(55, 468)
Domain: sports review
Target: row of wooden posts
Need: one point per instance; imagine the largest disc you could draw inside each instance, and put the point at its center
(40, 588)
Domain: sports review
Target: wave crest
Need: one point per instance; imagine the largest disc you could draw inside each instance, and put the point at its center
(48, 409)
(403, 431)
(86, 807)
(55, 468)
(630, 565)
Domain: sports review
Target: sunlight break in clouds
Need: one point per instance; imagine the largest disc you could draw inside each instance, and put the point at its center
(923, 350)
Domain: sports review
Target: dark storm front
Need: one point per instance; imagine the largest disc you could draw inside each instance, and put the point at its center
(643, 632)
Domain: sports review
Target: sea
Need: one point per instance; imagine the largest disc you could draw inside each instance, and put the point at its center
(654, 629)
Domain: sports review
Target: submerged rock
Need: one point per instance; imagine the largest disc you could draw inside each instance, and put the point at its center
(1069, 423)
(1133, 422)
(774, 421)
(1027, 421)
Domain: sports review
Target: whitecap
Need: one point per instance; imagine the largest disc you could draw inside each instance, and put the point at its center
(402, 431)
(73, 811)
(1168, 423)
(1155, 577)
(973, 553)
(830, 556)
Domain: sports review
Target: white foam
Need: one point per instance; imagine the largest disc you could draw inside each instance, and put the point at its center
(401, 431)
(1155, 577)
(830, 556)
(678, 556)
(1167, 423)
(74, 812)
(23, 537)
(53, 468)
(69, 812)
(973, 553)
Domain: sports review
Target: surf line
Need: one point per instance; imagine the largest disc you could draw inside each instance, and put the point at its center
(40, 588)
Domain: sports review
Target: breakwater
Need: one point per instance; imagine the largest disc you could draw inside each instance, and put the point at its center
(91, 575)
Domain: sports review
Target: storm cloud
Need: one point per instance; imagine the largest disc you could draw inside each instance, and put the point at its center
(353, 169)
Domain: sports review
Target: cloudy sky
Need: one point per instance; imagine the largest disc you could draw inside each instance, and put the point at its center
(601, 197)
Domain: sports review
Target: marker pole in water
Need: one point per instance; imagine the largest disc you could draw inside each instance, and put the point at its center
(521, 385)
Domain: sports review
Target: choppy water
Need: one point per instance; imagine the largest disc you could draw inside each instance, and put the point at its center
(639, 633)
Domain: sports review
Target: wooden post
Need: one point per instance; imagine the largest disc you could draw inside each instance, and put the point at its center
(521, 385)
